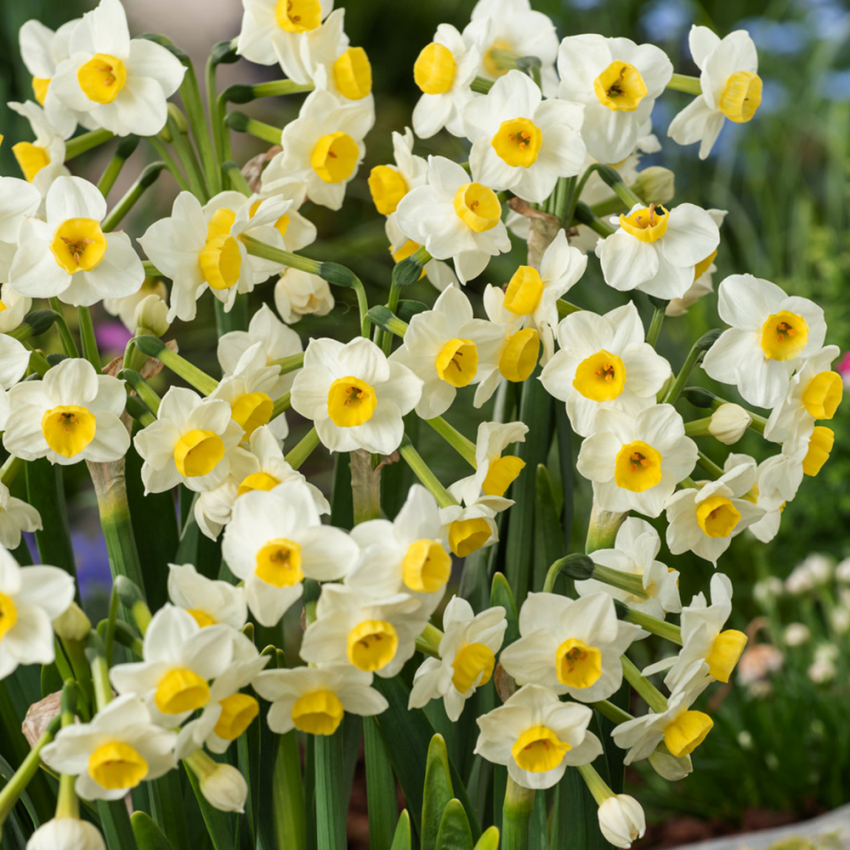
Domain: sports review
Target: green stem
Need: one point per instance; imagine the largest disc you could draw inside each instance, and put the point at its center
(191, 95)
(192, 167)
(303, 449)
(481, 85)
(240, 122)
(627, 195)
(275, 88)
(85, 142)
(289, 364)
(584, 215)
(146, 179)
(602, 528)
(645, 689)
(38, 362)
(655, 326)
(623, 581)
(65, 335)
(698, 427)
(423, 472)
(111, 620)
(281, 405)
(87, 338)
(516, 816)
(288, 795)
(613, 712)
(595, 784)
(123, 152)
(155, 347)
(286, 258)
(216, 121)
(695, 356)
(668, 631)
(465, 448)
(99, 672)
(685, 83)
(429, 641)
(10, 469)
(709, 465)
(235, 177)
(381, 792)
(170, 164)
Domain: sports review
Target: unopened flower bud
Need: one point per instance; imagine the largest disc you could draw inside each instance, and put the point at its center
(73, 624)
(151, 316)
(655, 185)
(728, 423)
(223, 786)
(179, 118)
(621, 820)
(66, 834)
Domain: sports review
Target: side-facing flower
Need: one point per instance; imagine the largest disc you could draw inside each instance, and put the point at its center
(43, 160)
(494, 474)
(472, 527)
(298, 294)
(15, 516)
(388, 184)
(208, 601)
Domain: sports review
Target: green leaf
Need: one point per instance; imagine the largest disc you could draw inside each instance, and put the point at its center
(567, 468)
(576, 822)
(381, 795)
(288, 805)
(51, 681)
(454, 833)
(342, 508)
(197, 549)
(437, 792)
(220, 825)
(489, 840)
(115, 824)
(6, 773)
(402, 840)
(538, 831)
(168, 810)
(501, 594)
(330, 812)
(548, 534)
(148, 835)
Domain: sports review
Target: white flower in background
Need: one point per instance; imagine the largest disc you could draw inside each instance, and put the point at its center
(354, 395)
(298, 294)
(537, 736)
(15, 516)
(821, 671)
(443, 71)
(315, 700)
(570, 646)
(69, 256)
(467, 529)
(447, 348)
(207, 600)
(14, 306)
(768, 590)
(604, 362)
(121, 84)
(467, 657)
(43, 160)
(635, 464)
(621, 820)
(388, 184)
(494, 474)
(704, 520)
(191, 442)
(656, 250)
(617, 81)
(439, 273)
(375, 635)
(731, 87)
(635, 551)
(72, 414)
(125, 308)
(14, 361)
(521, 142)
(771, 334)
(274, 540)
(17, 199)
(30, 599)
(842, 571)
(118, 750)
(796, 634)
(66, 833)
(454, 217)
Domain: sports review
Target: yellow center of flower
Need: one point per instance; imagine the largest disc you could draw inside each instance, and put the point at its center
(477, 207)
(201, 617)
(181, 690)
(600, 377)
(388, 187)
(351, 402)
(8, 615)
(517, 142)
(687, 732)
(251, 411)
(578, 665)
(39, 89)
(352, 74)
(257, 481)
(281, 225)
(78, 245)
(823, 394)
(501, 473)
(237, 713)
(468, 535)
(457, 362)
(820, 445)
(434, 69)
(741, 96)
(638, 467)
(117, 765)
(279, 563)
(68, 429)
(102, 77)
(335, 157)
(538, 750)
(426, 567)
(717, 516)
(317, 713)
(31, 159)
(298, 15)
(725, 652)
(703, 265)
(519, 356)
(492, 61)
(473, 666)
(371, 645)
(646, 224)
(784, 335)
(524, 291)
(620, 87)
(198, 453)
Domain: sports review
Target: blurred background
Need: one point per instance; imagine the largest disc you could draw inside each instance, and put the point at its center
(780, 749)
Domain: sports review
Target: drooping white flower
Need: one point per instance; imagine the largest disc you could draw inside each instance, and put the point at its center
(388, 184)
(469, 528)
(438, 272)
(15, 516)
(207, 600)
(731, 87)
(298, 294)
(621, 820)
(66, 833)
(604, 362)
(537, 736)
(43, 160)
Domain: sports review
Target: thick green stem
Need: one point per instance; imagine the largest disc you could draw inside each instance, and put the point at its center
(10, 469)
(602, 529)
(186, 153)
(429, 641)
(698, 427)
(623, 581)
(282, 404)
(595, 783)
(303, 450)
(516, 816)
(668, 631)
(709, 465)
(87, 338)
(154, 347)
(85, 142)
(465, 448)
(275, 88)
(240, 122)
(685, 83)
(286, 258)
(655, 326)
(110, 174)
(423, 472)
(645, 689)
(613, 712)
(289, 364)
(146, 179)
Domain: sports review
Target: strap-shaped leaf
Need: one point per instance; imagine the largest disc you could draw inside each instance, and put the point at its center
(402, 840)
(438, 791)
(148, 835)
(455, 833)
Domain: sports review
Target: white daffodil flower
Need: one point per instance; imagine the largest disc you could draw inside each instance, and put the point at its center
(447, 348)
(621, 820)
(467, 657)
(405, 555)
(118, 750)
(570, 646)
(66, 833)
(618, 82)
(15, 516)
(705, 520)
(354, 395)
(374, 635)
(125, 308)
(192, 442)
(15, 306)
(635, 464)
(388, 184)
(122, 84)
(43, 160)
(298, 294)
(30, 599)
(635, 551)
(443, 71)
(771, 335)
(521, 142)
(207, 600)
(494, 474)
(604, 362)
(315, 700)
(537, 737)
(274, 540)
(17, 200)
(69, 256)
(439, 273)
(731, 87)
(297, 231)
(657, 250)
(14, 361)
(467, 529)
(454, 217)
(72, 414)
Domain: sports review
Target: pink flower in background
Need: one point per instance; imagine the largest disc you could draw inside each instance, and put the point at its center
(844, 368)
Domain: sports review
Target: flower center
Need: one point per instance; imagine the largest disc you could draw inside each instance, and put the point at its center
(198, 453)
(8, 615)
(519, 356)
(823, 394)
(578, 665)
(477, 207)
(687, 732)
(351, 402)
(279, 563)
(468, 535)
(457, 362)
(31, 159)
(501, 473)
(201, 617)
(426, 567)
(68, 429)
(317, 713)
(181, 690)
(646, 224)
(252, 411)
(473, 666)
(638, 467)
(221, 262)
(257, 481)
(620, 87)
(517, 142)
(600, 377)
(102, 77)
(725, 652)
(298, 15)
(741, 96)
(434, 69)
(39, 89)
(538, 750)
(352, 74)
(372, 644)
(78, 245)
(388, 187)
(335, 157)
(717, 516)
(117, 765)
(237, 713)
(820, 445)
(784, 336)
(524, 291)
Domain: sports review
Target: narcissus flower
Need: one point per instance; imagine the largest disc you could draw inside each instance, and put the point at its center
(15, 516)
(621, 820)
(126, 308)
(354, 395)
(438, 272)
(118, 750)
(68, 255)
(472, 527)
(537, 736)
(43, 160)
(771, 334)
(731, 87)
(207, 600)
(298, 294)
(617, 81)
(17, 199)
(72, 414)
(66, 833)
(703, 276)
(388, 184)
(223, 786)
(494, 474)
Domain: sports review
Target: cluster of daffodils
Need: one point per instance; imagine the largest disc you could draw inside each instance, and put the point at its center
(554, 131)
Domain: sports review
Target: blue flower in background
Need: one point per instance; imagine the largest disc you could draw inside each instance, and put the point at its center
(784, 38)
(666, 20)
(835, 85)
(829, 19)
